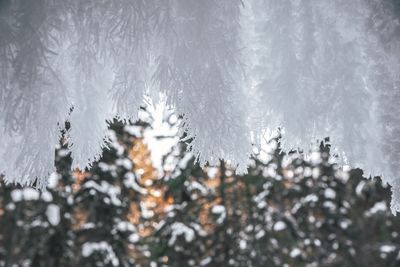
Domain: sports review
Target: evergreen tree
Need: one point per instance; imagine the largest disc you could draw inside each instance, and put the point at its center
(105, 235)
(290, 209)
(35, 227)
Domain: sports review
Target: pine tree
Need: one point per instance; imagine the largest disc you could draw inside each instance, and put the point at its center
(105, 235)
(36, 226)
(296, 209)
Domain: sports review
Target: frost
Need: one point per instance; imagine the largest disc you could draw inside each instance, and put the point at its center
(233, 72)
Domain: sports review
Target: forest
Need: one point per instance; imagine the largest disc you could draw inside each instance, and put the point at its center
(288, 210)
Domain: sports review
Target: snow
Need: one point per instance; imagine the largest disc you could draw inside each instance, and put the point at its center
(53, 214)
(205, 261)
(133, 130)
(88, 225)
(359, 188)
(221, 211)
(279, 226)
(212, 172)
(260, 234)
(91, 247)
(377, 207)
(112, 191)
(53, 180)
(146, 213)
(329, 193)
(317, 242)
(199, 229)
(30, 194)
(16, 195)
(295, 253)
(242, 244)
(194, 185)
(282, 66)
(130, 182)
(315, 157)
(260, 198)
(126, 163)
(133, 238)
(124, 226)
(46, 196)
(105, 167)
(114, 142)
(27, 194)
(329, 205)
(183, 163)
(161, 137)
(310, 198)
(218, 209)
(387, 248)
(39, 223)
(344, 224)
(179, 229)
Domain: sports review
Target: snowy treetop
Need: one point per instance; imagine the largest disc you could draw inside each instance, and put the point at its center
(235, 70)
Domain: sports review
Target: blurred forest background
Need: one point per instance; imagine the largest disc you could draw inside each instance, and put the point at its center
(289, 210)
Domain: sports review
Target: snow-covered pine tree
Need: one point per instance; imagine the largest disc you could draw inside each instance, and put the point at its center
(105, 235)
(288, 209)
(35, 228)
